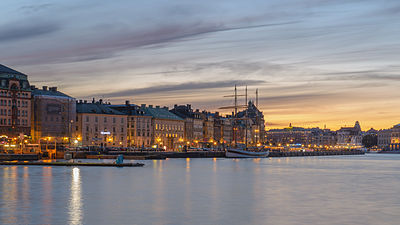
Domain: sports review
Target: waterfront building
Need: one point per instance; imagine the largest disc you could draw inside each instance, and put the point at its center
(139, 125)
(186, 112)
(168, 128)
(53, 114)
(218, 129)
(350, 135)
(197, 127)
(395, 138)
(15, 103)
(255, 124)
(97, 124)
(227, 130)
(208, 127)
(389, 139)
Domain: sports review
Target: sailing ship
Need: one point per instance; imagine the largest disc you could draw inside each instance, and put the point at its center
(243, 150)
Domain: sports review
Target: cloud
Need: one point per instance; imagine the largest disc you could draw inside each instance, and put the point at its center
(180, 87)
(15, 31)
(35, 8)
(365, 75)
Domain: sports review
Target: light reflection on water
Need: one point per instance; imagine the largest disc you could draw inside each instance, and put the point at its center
(75, 203)
(309, 190)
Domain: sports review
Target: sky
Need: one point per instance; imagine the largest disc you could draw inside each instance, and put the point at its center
(315, 63)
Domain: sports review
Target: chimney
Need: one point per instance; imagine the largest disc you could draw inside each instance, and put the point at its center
(165, 107)
(44, 88)
(157, 106)
(143, 105)
(33, 87)
(85, 101)
(53, 89)
(189, 106)
(93, 101)
(127, 102)
(150, 106)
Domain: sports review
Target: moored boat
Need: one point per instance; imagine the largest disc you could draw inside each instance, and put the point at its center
(242, 153)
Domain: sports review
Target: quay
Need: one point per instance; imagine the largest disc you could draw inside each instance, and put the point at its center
(314, 153)
(26, 163)
(21, 157)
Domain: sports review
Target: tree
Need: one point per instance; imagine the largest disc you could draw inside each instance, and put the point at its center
(370, 140)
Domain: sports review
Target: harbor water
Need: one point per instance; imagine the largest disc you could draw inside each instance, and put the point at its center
(355, 189)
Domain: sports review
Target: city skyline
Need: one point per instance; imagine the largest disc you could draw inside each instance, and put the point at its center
(315, 63)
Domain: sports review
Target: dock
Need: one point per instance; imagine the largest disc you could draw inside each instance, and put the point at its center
(21, 157)
(26, 163)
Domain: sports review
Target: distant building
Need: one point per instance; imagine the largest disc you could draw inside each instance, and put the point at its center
(309, 137)
(322, 137)
(15, 103)
(139, 125)
(384, 138)
(97, 124)
(289, 135)
(53, 114)
(168, 127)
(350, 135)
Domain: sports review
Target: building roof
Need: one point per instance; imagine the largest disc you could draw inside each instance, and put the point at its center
(96, 108)
(41, 92)
(8, 70)
(130, 110)
(161, 113)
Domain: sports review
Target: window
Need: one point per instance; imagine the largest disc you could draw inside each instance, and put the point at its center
(87, 118)
(114, 120)
(105, 119)
(96, 119)
(122, 120)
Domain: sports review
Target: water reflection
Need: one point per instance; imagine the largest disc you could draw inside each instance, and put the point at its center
(9, 195)
(47, 200)
(75, 202)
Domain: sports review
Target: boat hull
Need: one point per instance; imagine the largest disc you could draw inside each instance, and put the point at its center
(238, 153)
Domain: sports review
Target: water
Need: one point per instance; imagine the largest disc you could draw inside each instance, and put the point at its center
(308, 190)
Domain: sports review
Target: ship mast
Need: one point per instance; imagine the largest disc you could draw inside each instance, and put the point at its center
(246, 119)
(234, 120)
